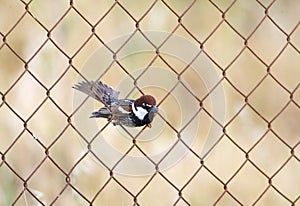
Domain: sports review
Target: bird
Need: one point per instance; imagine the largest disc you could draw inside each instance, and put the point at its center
(127, 112)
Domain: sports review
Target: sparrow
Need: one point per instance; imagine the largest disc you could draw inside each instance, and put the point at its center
(127, 112)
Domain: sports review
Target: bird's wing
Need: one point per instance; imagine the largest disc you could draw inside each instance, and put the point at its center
(122, 107)
(122, 113)
(99, 91)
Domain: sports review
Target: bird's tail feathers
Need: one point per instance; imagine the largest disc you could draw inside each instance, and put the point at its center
(102, 113)
(99, 91)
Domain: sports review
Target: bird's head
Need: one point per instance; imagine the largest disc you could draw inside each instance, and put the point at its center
(145, 108)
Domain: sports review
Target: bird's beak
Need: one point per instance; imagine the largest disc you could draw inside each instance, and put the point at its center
(154, 110)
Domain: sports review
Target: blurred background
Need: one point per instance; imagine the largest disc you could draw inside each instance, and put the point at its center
(49, 150)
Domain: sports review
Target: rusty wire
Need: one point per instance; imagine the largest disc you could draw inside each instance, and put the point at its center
(180, 190)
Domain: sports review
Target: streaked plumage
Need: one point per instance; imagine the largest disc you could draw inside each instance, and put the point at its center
(128, 112)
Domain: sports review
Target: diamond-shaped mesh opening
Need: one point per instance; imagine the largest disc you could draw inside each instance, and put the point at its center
(24, 46)
(48, 19)
(225, 75)
(250, 178)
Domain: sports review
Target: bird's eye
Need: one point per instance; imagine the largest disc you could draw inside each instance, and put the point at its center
(146, 106)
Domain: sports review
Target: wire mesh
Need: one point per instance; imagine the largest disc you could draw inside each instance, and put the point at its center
(46, 159)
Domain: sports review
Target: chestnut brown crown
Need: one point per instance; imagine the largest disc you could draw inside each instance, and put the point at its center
(145, 99)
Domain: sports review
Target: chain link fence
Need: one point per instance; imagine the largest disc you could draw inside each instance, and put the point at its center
(50, 153)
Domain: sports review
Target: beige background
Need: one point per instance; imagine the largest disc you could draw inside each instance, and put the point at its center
(258, 164)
